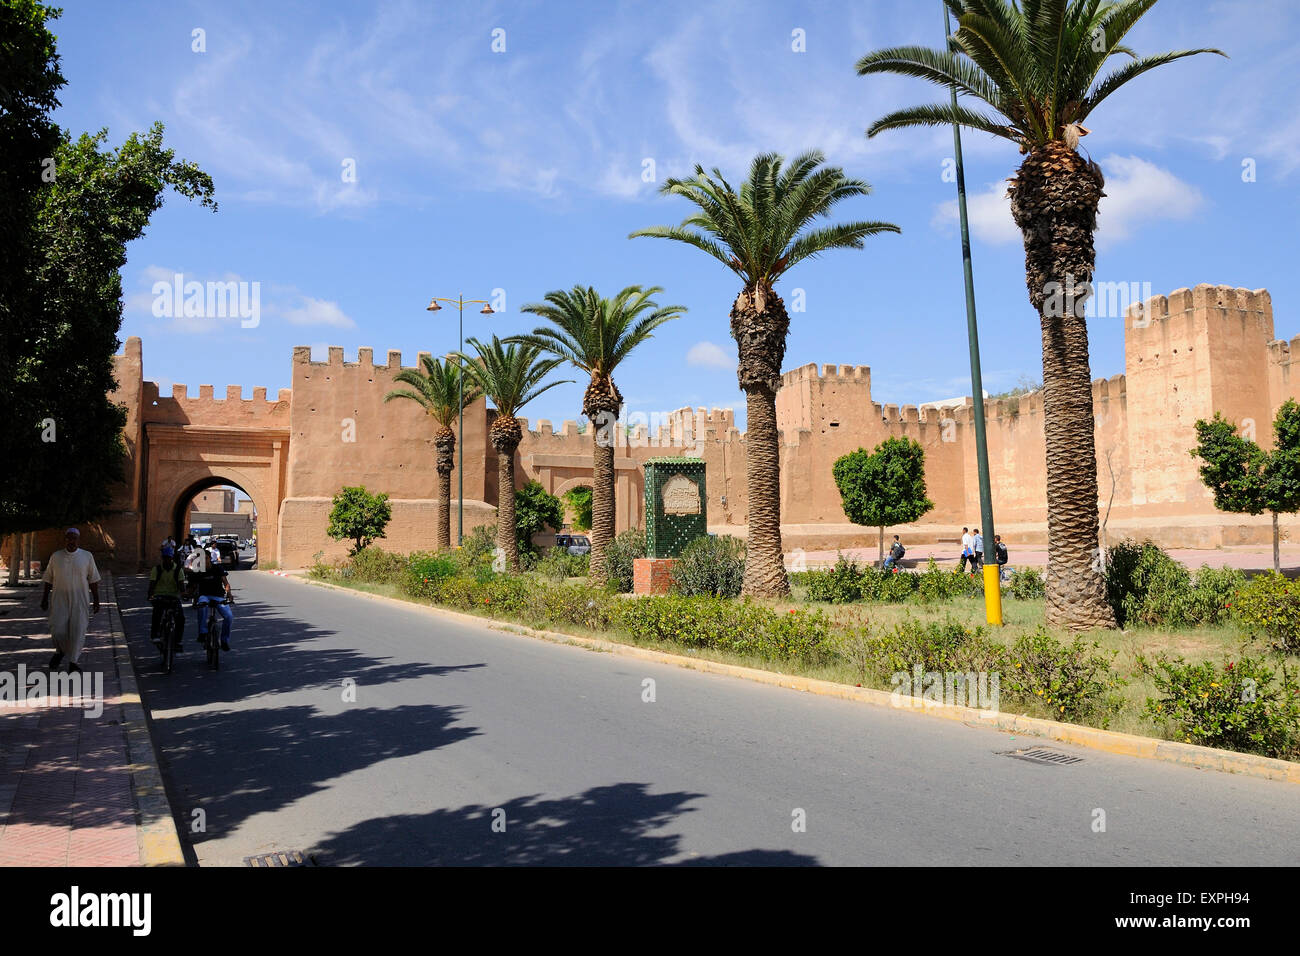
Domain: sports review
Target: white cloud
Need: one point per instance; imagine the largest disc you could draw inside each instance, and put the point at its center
(989, 213)
(1137, 191)
(709, 355)
(318, 312)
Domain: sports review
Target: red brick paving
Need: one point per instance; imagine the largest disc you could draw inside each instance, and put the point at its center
(65, 780)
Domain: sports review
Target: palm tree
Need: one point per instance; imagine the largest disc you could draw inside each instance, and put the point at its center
(759, 233)
(510, 375)
(437, 391)
(595, 334)
(1038, 66)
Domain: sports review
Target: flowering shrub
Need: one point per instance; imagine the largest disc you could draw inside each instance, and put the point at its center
(1244, 705)
(1270, 606)
(1073, 682)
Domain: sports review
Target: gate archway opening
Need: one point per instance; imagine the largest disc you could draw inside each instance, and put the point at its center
(181, 510)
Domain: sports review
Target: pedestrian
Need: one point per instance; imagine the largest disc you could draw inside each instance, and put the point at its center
(977, 551)
(966, 542)
(72, 579)
(1000, 556)
(896, 552)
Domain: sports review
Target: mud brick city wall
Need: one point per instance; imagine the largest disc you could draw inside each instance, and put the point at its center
(1187, 355)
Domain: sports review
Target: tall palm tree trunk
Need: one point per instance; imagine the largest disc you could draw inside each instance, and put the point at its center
(602, 500)
(446, 447)
(505, 435)
(759, 324)
(506, 540)
(1054, 200)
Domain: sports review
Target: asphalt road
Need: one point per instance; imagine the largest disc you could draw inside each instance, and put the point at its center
(457, 728)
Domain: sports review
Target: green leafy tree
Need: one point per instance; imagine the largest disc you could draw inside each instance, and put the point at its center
(579, 501)
(69, 209)
(359, 516)
(1244, 477)
(512, 376)
(536, 509)
(760, 232)
(1038, 65)
(885, 487)
(437, 391)
(595, 335)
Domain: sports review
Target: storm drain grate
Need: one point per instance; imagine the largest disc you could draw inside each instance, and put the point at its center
(1043, 755)
(283, 858)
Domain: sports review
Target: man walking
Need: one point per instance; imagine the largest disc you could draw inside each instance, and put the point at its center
(1000, 555)
(966, 542)
(72, 579)
(977, 551)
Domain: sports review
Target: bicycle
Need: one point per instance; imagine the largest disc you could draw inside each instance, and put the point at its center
(169, 627)
(211, 635)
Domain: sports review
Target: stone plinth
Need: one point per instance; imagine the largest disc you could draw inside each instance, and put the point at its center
(652, 575)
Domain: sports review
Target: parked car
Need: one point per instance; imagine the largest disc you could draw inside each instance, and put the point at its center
(227, 548)
(573, 543)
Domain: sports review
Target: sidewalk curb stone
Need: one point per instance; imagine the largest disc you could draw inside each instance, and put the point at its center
(160, 844)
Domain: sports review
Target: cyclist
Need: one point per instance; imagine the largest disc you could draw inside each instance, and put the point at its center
(166, 585)
(214, 584)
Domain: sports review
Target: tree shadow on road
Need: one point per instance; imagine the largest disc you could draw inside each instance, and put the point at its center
(234, 764)
(604, 826)
(273, 653)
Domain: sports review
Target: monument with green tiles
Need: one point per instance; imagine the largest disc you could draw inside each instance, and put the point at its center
(675, 505)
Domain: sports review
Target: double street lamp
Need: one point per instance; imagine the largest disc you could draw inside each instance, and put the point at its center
(460, 302)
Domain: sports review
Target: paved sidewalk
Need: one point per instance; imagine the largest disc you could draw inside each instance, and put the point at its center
(77, 788)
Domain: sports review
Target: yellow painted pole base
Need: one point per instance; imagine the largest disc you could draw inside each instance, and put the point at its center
(993, 594)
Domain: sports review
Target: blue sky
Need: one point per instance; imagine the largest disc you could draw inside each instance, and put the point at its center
(521, 171)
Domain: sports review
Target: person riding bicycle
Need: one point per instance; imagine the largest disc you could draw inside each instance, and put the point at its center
(214, 584)
(166, 585)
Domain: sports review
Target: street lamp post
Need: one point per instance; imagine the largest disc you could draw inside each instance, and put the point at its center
(992, 585)
(460, 303)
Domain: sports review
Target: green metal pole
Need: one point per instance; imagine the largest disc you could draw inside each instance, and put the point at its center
(993, 591)
(460, 436)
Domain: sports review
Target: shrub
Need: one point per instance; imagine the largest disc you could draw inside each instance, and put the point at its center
(588, 607)
(1026, 584)
(1146, 586)
(558, 565)
(376, 566)
(1073, 681)
(424, 573)
(318, 569)
(710, 566)
(360, 516)
(535, 510)
(934, 584)
(726, 625)
(619, 555)
(1215, 594)
(841, 584)
(478, 547)
(1242, 706)
(932, 646)
(1270, 606)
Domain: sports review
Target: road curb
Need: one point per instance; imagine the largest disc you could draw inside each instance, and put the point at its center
(160, 844)
(1110, 741)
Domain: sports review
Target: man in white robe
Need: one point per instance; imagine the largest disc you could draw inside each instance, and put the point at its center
(71, 579)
